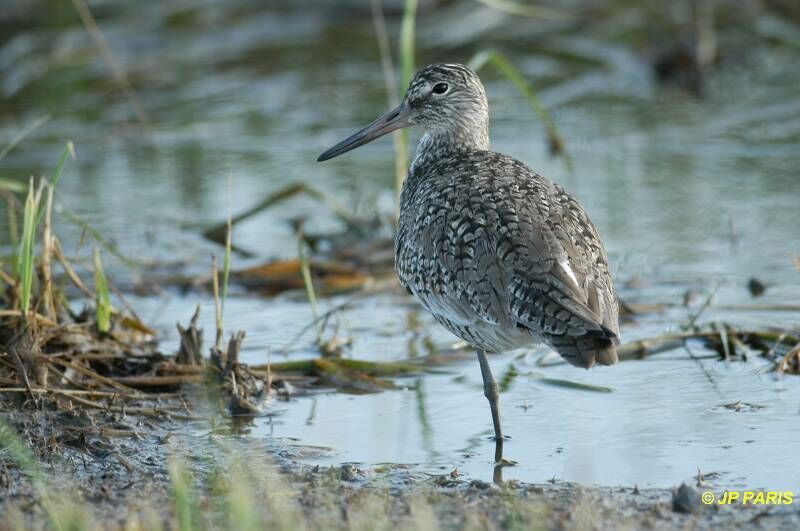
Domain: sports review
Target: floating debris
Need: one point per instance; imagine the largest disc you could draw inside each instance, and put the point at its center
(790, 363)
(740, 406)
(756, 287)
(329, 277)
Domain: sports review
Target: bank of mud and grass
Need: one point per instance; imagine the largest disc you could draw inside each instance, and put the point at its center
(157, 479)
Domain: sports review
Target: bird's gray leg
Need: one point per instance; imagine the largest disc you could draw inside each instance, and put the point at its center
(492, 393)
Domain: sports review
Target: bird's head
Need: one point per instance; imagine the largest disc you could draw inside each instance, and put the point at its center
(441, 98)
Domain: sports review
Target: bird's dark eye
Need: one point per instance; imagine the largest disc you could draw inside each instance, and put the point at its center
(440, 88)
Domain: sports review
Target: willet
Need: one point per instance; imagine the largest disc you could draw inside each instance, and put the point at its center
(501, 256)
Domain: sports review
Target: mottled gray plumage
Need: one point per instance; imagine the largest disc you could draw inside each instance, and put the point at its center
(501, 256)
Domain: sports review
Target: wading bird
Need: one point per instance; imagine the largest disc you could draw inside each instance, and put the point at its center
(501, 256)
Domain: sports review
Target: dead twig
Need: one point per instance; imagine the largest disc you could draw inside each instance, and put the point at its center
(88, 392)
(31, 315)
(691, 324)
(46, 259)
(217, 305)
(23, 372)
(790, 364)
(190, 350)
(160, 381)
(69, 271)
(143, 411)
(93, 375)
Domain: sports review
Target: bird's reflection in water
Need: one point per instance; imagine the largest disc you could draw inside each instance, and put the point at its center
(497, 476)
(500, 462)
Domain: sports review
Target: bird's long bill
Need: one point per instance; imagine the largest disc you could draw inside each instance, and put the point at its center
(393, 120)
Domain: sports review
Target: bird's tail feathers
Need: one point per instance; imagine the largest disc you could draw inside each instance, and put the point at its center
(585, 351)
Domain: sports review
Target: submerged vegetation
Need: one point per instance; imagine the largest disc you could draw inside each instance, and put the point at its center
(94, 413)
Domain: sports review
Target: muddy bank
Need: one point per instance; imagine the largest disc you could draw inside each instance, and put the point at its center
(124, 476)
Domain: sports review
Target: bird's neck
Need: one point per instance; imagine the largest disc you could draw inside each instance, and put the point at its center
(443, 142)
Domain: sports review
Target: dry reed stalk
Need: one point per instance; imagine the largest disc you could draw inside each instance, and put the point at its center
(48, 303)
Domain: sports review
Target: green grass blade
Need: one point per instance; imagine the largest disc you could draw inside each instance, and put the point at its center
(407, 37)
(182, 497)
(510, 72)
(305, 269)
(240, 504)
(25, 255)
(68, 150)
(31, 218)
(102, 298)
(392, 86)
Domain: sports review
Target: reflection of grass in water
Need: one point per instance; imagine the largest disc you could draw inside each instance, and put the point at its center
(308, 282)
(422, 415)
(507, 378)
(407, 38)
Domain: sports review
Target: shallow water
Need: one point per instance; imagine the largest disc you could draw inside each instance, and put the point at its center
(689, 195)
(667, 416)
